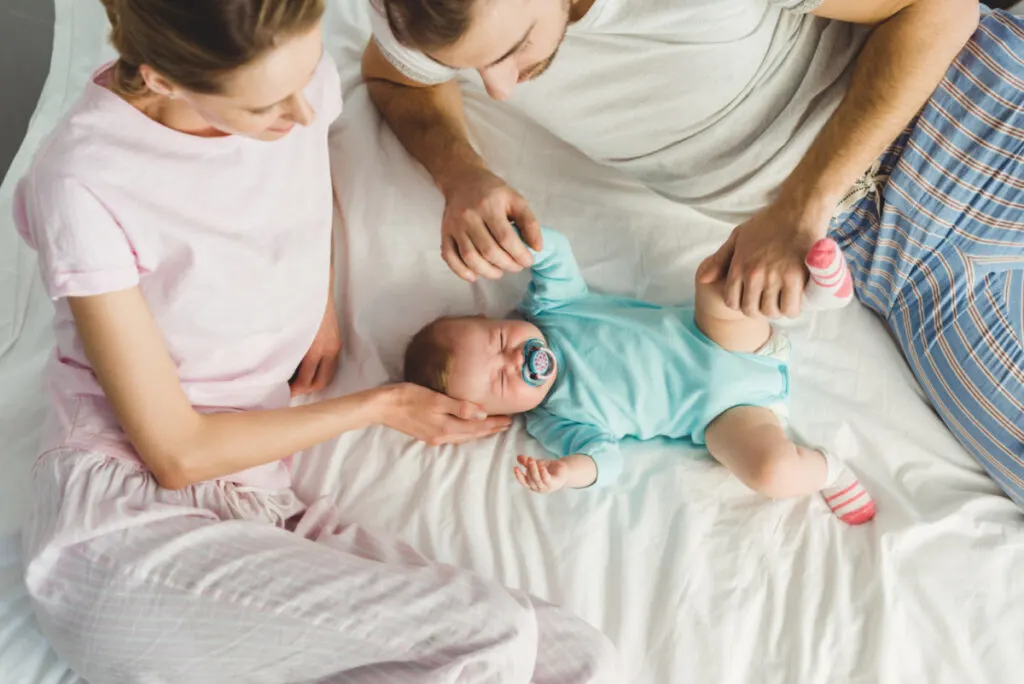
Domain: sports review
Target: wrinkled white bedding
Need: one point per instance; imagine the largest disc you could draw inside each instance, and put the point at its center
(695, 578)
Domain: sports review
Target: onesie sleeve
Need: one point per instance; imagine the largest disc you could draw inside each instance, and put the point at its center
(413, 64)
(556, 277)
(82, 249)
(799, 6)
(564, 437)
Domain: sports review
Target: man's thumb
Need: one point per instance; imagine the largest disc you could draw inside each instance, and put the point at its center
(716, 266)
(527, 223)
(710, 269)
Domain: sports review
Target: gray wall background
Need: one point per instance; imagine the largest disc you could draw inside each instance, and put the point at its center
(26, 38)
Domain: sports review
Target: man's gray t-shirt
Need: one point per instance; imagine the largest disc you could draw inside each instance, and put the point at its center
(711, 102)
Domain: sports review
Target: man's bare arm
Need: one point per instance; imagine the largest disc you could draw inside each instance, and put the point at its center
(912, 46)
(428, 120)
(477, 235)
(905, 58)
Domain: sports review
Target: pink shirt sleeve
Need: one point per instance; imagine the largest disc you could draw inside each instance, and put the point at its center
(82, 249)
(331, 95)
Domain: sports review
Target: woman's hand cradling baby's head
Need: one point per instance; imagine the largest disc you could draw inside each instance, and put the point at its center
(434, 418)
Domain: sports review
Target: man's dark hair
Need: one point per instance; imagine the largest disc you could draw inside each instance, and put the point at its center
(428, 24)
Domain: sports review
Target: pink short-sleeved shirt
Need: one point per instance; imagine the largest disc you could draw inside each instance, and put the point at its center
(227, 238)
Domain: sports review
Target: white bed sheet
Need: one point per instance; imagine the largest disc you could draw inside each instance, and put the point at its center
(694, 578)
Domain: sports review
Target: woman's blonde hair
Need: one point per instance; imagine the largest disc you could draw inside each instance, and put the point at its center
(194, 43)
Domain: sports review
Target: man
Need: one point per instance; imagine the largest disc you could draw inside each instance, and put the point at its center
(763, 114)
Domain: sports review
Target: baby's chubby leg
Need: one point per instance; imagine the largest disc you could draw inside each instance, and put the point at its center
(750, 442)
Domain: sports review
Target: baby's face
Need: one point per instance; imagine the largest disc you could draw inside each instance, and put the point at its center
(487, 365)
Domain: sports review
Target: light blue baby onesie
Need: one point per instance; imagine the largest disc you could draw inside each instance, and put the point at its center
(627, 368)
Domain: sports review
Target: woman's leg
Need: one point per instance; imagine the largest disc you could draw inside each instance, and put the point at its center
(137, 584)
(940, 251)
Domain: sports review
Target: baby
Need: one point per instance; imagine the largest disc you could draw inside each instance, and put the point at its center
(590, 369)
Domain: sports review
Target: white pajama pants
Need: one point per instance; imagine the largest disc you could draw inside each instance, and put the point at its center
(212, 583)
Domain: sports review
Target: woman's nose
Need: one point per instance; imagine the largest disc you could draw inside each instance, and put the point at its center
(301, 112)
(500, 79)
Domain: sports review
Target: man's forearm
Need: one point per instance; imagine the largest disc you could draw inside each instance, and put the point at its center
(430, 124)
(900, 65)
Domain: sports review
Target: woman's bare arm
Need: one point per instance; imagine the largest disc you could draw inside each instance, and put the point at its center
(181, 446)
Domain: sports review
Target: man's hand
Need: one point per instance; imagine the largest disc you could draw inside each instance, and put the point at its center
(762, 262)
(320, 364)
(477, 235)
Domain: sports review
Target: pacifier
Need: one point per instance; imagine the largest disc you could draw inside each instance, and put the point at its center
(538, 363)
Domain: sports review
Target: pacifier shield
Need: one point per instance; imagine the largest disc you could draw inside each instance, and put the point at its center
(538, 363)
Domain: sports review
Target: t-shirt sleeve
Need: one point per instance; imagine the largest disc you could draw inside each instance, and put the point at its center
(413, 64)
(555, 275)
(330, 94)
(82, 249)
(800, 6)
(565, 437)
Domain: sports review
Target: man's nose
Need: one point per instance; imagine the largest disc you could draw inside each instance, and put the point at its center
(500, 79)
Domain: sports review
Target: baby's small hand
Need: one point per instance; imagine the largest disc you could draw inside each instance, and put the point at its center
(542, 476)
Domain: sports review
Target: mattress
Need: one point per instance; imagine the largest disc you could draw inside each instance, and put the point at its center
(695, 578)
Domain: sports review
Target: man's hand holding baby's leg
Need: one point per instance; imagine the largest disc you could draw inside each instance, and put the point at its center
(544, 476)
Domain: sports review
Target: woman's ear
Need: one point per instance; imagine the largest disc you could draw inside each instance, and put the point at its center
(156, 83)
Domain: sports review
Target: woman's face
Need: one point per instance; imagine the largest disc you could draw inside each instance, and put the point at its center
(263, 100)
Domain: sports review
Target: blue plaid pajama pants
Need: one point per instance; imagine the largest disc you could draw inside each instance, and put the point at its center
(936, 245)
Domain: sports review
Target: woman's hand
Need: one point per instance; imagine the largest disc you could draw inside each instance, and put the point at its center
(320, 364)
(435, 418)
(762, 262)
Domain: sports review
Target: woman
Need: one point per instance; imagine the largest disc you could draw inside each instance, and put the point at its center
(182, 215)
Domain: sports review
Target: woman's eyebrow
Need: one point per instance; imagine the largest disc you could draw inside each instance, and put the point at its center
(308, 81)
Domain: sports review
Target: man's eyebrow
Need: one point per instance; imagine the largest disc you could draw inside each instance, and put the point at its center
(511, 51)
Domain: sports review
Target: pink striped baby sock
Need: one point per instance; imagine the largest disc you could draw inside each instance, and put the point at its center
(844, 493)
(830, 285)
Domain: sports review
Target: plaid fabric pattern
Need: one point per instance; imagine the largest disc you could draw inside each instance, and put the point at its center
(937, 249)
